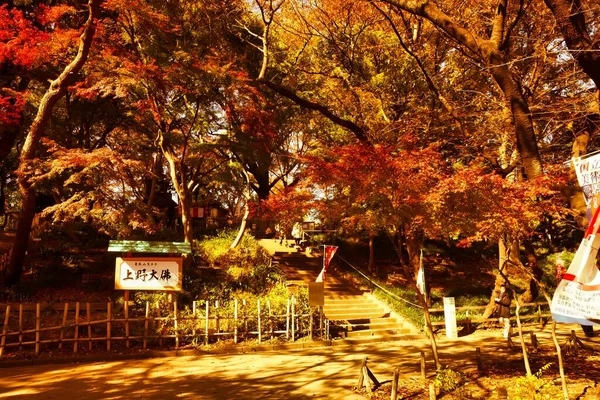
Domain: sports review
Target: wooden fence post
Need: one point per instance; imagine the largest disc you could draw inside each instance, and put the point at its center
(88, 313)
(259, 326)
(4, 329)
(146, 322)
(126, 311)
(206, 323)
(245, 320)
(108, 325)
(321, 321)
(21, 326)
(394, 395)
(361, 376)
(76, 334)
(479, 361)
(432, 394)
(366, 380)
(423, 371)
(38, 325)
(194, 319)
(175, 324)
(235, 321)
(217, 321)
(63, 326)
(287, 320)
(160, 331)
(310, 323)
(293, 319)
(271, 320)
(534, 341)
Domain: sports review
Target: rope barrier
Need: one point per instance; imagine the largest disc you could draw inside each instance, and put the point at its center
(378, 285)
(371, 281)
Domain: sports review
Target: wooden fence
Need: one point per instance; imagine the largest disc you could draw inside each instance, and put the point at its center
(78, 323)
(524, 314)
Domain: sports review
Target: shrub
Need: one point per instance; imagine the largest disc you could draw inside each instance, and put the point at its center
(220, 272)
(447, 380)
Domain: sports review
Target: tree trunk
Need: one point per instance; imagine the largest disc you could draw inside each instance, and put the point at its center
(507, 252)
(570, 18)
(19, 248)
(242, 229)
(57, 89)
(186, 218)
(263, 187)
(429, 327)
(413, 246)
(525, 135)
(240, 235)
(533, 270)
(181, 188)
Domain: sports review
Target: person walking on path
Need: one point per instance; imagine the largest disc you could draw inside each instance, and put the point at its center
(281, 234)
(297, 233)
(503, 311)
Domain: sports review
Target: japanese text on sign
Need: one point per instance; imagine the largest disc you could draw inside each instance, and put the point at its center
(148, 274)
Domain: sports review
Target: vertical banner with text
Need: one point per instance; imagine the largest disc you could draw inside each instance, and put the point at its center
(588, 176)
(577, 297)
(328, 253)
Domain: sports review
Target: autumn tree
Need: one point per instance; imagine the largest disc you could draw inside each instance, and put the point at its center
(55, 91)
(576, 21)
(266, 137)
(166, 59)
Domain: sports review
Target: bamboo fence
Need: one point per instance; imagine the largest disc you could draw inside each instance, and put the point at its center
(536, 315)
(27, 325)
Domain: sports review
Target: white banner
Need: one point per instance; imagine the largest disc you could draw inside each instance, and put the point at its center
(421, 276)
(588, 176)
(577, 297)
(148, 273)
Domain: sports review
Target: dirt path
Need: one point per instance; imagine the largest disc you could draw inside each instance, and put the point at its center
(317, 373)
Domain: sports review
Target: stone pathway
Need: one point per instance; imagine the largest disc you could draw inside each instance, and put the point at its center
(353, 313)
(327, 373)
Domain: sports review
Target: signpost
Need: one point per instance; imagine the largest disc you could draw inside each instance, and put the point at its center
(149, 273)
(450, 317)
(316, 294)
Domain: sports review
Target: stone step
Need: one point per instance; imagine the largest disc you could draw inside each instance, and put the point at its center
(362, 321)
(387, 323)
(342, 294)
(358, 340)
(349, 300)
(351, 307)
(350, 315)
(378, 332)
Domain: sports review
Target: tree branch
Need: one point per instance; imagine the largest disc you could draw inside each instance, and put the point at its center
(359, 132)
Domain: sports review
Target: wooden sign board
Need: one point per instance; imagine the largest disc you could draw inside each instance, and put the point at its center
(316, 294)
(149, 273)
